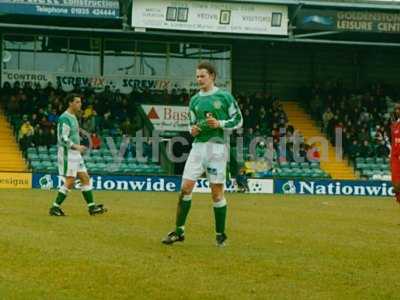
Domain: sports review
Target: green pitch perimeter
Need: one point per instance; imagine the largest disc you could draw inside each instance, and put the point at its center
(280, 247)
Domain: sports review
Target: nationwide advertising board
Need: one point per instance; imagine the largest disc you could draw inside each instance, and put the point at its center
(147, 183)
(334, 187)
(114, 183)
(99, 9)
(347, 20)
(211, 16)
(124, 83)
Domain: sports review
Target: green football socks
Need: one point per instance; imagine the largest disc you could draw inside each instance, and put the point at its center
(184, 204)
(220, 216)
(88, 195)
(62, 194)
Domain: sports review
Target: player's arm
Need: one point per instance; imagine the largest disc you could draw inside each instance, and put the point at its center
(193, 127)
(235, 120)
(64, 131)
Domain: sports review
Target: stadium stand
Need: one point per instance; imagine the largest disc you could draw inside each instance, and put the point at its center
(108, 118)
(264, 117)
(363, 116)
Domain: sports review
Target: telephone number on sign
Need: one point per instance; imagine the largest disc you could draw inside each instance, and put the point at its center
(80, 11)
(103, 12)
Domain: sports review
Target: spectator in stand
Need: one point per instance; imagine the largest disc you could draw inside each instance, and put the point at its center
(53, 116)
(45, 124)
(326, 120)
(128, 128)
(366, 150)
(39, 138)
(52, 137)
(248, 137)
(314, 153)
(25, 135)
(90, 123)
(95, 141)
(382, 149)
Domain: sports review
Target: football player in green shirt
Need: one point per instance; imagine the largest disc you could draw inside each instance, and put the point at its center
(212, 111)
(70, 160)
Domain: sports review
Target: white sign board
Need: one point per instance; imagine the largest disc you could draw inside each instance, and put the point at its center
(256, 186)
(208, 16)
(173, 118)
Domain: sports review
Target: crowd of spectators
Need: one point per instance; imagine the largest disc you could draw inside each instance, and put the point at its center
(362, 116)
(36, 111)
(265, 118)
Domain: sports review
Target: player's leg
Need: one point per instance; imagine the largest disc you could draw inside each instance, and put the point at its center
(182, 211)
(216, 173)
(395, 167)
(87, 193)
(67, 169)
(184, 205)
(63, 191)
(193, 170)
(220, 208)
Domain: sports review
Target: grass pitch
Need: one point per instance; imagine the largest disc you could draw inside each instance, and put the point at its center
(280, 247)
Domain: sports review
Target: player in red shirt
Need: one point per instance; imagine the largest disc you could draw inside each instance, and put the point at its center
(395, 152)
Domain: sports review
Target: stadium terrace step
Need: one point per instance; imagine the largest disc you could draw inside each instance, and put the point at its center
(11, 158)
(338, 169)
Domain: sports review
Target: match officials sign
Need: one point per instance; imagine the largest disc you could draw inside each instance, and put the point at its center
(170, 118)
(15, 180)
(208, 16)
(363, 21)
(104, 9)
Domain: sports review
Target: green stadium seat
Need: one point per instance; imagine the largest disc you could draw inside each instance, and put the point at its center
(308, 172)
(95, 170)
(95, 153)
(374, 166)
(384, 167)
(97, 158)
(31, 151)
(324, 175)
(33, 156)
(108, 159)
(360, 160)
(361, 166)
(319, 171)
(305, 165)
(379, 160)
(42, 150)
(89, 159)
(53, 151)
(44, 157)
(36, 164)
(370, 160)
(52, 170)
(315, 165)
(294, 165)
(368, 173)
(130, 160)
(284, 164)
(101, 165)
